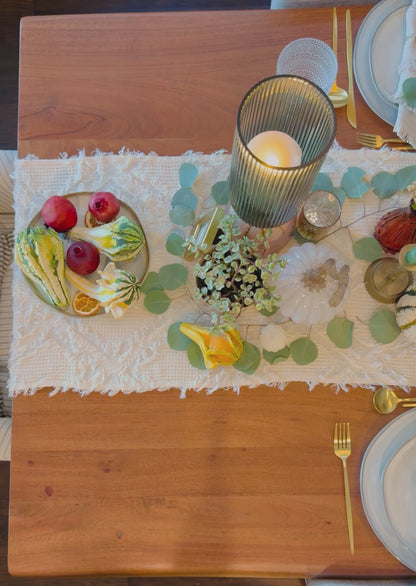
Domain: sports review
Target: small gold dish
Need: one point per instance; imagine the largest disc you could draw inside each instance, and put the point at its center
(385, 280)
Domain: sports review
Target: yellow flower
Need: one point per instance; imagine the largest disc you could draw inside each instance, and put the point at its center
(225, 347)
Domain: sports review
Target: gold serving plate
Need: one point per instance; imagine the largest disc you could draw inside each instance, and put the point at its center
(138, 266)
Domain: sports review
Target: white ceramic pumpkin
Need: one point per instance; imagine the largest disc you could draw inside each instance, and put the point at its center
(314, 285)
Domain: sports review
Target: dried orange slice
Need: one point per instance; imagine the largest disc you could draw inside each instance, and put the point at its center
(90, 221)
(84, 305)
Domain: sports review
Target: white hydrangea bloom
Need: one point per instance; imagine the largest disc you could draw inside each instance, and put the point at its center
(273, 338)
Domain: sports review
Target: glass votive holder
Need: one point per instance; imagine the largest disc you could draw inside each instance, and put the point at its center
(319, 213)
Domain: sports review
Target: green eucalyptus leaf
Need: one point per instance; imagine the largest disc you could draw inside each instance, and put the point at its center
(339, 331)
(187, 174)
(195, 356)
(177, 340)
(156, 301)
(409, 91)
(367, 248)
(185, 197)
(322, 181)
(182, 215)
(220, 192)
(174, 244)
(151, 282)
(249, 359)
(303, 351)
(384, 184)
(383, 326)
(275, 357)
(406, 176)
(352, 183)
(339, 193)
(173, 276)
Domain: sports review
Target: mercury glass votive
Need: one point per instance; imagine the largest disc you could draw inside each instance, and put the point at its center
(319, 213)
(262, 193)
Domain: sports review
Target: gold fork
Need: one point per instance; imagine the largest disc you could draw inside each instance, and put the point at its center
(375, 141)
(342, 449)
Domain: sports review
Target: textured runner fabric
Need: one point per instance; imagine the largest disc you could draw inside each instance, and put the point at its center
(51, 349)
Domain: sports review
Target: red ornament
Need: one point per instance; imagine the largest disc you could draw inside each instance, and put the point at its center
(397, 228)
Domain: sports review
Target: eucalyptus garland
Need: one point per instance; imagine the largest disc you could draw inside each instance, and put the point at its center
(237, 252)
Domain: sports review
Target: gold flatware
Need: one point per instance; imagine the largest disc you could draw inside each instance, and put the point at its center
(375, 141)
(337, 95)
(342, 449)
(351, 113)
(385, 400)
(403, 147)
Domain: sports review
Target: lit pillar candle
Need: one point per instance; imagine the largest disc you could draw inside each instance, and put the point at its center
(276, 149)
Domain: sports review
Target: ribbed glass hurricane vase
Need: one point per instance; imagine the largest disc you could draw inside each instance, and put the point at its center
(262, 195)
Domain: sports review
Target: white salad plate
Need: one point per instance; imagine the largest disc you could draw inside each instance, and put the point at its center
(388, 487)
(377, 56)
(137, 266)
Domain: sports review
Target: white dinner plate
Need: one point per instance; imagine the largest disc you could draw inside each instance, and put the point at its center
(377, 56)
(386, 455)
(399, 486)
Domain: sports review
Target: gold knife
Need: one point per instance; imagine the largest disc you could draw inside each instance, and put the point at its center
(351, 113)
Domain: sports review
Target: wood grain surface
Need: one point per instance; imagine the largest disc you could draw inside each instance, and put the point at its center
(166, 82)
(222, 485)
(149, 484)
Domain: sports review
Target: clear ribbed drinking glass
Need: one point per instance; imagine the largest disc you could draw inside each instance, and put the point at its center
(262, 195)
(309, 58)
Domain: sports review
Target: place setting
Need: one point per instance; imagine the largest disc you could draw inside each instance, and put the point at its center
(387, 482)
(387, 477)
(384, 56)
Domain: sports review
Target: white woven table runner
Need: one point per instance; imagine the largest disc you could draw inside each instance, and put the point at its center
(50, 349)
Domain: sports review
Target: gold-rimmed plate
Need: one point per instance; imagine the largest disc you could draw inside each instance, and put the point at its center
(137, 266)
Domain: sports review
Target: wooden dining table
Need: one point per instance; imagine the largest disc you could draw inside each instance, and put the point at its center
(223, 484)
